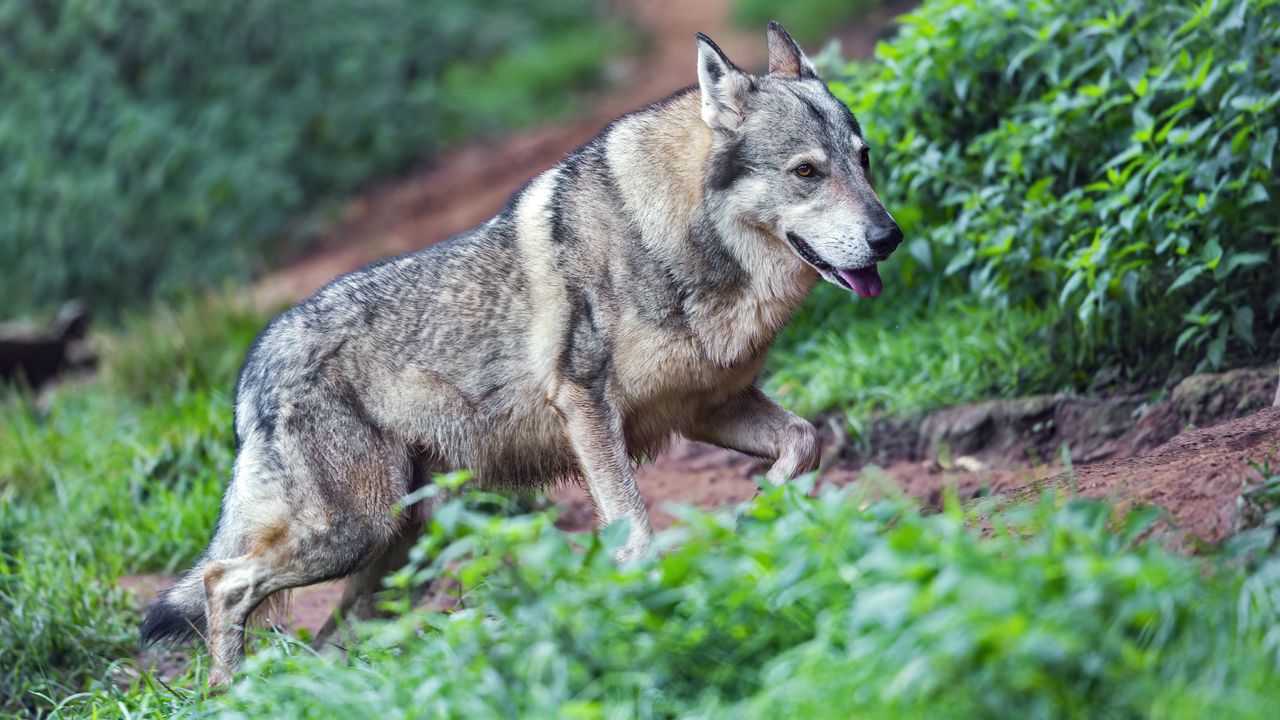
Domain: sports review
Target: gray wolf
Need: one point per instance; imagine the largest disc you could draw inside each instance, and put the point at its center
(626, 295)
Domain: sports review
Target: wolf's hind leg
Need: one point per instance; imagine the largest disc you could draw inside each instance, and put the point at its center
(357, 601)
(314, 504)
(751, 423)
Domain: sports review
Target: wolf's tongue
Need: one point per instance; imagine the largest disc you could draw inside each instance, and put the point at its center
(865, 281)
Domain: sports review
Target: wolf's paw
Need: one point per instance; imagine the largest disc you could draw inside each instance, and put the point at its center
(802, 453)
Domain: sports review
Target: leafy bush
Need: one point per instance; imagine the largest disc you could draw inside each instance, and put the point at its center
(1113, 160)
(839, 606)
(148, 146)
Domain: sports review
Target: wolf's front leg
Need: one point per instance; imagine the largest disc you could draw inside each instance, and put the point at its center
(751, 423)
(594, 429)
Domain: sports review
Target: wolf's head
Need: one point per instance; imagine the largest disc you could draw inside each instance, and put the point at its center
(789, 158)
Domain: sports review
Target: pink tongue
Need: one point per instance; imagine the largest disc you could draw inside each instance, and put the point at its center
(866, 281)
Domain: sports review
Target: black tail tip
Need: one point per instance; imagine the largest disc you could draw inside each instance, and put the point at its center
(166, 622)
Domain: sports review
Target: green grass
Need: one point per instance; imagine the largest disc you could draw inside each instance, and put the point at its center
(119, 474)
(901, 355)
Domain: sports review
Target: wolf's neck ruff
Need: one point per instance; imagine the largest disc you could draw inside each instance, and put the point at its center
(727, 277)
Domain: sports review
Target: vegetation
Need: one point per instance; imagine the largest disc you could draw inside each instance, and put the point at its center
(836, 606)
(147, 147)
(904, 358)
(1109, 163)
(121, 474)
(1084, 188)
(1083, 200)
(840, 606)
(807, 20)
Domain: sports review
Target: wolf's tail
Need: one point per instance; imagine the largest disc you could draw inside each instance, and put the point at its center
(179, 613)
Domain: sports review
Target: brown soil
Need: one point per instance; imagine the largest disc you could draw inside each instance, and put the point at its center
(1196, 478)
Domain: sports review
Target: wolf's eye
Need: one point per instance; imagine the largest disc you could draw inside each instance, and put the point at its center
(804, 170)
(864, 157)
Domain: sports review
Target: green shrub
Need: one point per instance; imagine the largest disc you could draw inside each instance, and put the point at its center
(839, 606)
(1115, 161)
(149, 146)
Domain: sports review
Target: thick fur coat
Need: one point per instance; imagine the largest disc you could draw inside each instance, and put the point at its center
(625, 296)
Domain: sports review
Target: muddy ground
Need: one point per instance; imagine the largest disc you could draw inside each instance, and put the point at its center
(1189, 453)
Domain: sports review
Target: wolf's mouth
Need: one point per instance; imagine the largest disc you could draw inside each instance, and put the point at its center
(865, 281)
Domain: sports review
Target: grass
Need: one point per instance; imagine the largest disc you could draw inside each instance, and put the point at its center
(904, 355)
(114, 475)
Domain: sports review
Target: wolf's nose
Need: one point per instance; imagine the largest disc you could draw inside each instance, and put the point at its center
(884, 239)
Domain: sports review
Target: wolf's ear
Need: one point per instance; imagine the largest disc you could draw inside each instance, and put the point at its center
(785, 56)
(724, 87)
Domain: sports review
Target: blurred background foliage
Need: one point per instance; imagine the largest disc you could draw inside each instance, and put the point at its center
(1110, 166)
(808, 21)
(150, 147)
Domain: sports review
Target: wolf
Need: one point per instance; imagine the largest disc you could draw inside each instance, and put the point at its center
(625, 296)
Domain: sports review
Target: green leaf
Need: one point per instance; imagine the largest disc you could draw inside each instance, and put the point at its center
(1212, 254)
(1238, 260)
(1217, 349)
(1185, 278)
(1243, 324)
(1040, 189)
(1186, 336)
(1257, 194)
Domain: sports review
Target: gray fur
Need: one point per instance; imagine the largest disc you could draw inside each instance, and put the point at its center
(625, 296)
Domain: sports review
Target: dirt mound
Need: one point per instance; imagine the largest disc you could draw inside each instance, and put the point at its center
(1032, 429)
(1015, 446)
(1197, 477)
